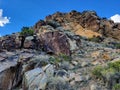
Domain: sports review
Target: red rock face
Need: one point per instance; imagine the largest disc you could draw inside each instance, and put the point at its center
(55, 42)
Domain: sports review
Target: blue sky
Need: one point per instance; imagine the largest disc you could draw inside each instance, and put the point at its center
(27, 12)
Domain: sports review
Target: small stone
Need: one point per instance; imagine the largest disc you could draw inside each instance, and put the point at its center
(79, 78)
(84, 64)
(65, 78)
(95, 63)
(74, 63)
(87, 77)
(93, 87)
(72, 83)
(71, 66)
(61, 73)
(72, 75)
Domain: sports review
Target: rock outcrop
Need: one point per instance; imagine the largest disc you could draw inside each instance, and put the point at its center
(88, 20)
(68, 51)
(10, 42)
(10, 71)
(55, 42)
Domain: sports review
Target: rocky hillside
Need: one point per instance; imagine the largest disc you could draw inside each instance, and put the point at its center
(66, 51)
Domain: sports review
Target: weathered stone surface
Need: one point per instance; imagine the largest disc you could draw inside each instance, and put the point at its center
(38, 25)
(28, 43)
(55, 42)
(34, 62)
(35, 79)
(49, 70)
(43, 29)
(10, 42)
(73, 45)
(10, 74)
(94, 87)
(89, 19)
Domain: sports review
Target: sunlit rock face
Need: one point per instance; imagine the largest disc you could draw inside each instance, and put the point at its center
(62, 53)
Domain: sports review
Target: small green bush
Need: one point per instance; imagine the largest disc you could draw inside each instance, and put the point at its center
(116, 87)
(57, 83)
(106, 71)
(64, 57)
(60, 58)
(54, 60)
(117, 46)
(115, 65)
(26, 31)
(97, 72)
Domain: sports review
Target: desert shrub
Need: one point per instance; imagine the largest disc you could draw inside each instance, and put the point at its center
(64, 57)
(54, 60)
(108, 72)
(105, 72)
(115, 65)
(96, 39)
(60, 58)
(116, 87)
(60, 61)
(40, 61)
(52, 23)
(57, 83)
(117, 45)
(114, 45)
(97, 72)
(26, 31)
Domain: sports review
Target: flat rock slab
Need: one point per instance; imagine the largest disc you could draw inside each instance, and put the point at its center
(7, 63)
(26, 55)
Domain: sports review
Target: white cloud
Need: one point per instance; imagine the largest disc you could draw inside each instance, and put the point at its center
(3, 20)
(116, 18)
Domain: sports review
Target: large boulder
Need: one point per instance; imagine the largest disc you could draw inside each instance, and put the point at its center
(36, 79)
(28, 43)
(10, 73)
(55, 42)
